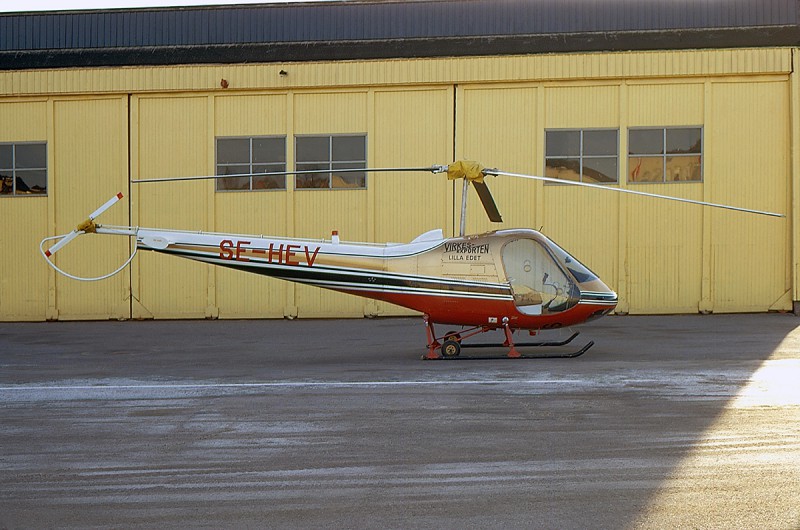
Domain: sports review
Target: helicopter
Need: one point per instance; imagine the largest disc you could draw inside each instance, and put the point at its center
(505, 280)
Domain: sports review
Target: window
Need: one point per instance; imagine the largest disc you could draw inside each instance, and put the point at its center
(249, 157)
(667, 154)
(23, 169)
(582, 155)
(327, 154)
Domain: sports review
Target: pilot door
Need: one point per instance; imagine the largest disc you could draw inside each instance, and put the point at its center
(539, 285)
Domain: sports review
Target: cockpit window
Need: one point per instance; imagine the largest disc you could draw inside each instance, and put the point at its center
(538, 282)
(581, 273)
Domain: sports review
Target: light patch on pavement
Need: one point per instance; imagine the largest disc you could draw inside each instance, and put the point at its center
(776, 383)
(754, 442)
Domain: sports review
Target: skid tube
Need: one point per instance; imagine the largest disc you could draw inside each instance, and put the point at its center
(566, 355)
(452, 342)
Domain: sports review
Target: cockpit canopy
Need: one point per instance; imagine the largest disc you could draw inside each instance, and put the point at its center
(544, 278)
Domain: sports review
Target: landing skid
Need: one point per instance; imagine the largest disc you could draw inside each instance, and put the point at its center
(527, 344)
(453, 342)
(566, 355)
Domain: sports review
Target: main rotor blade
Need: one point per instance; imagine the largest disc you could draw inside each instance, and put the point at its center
(430, 169)
(487, 201)
(631, 192)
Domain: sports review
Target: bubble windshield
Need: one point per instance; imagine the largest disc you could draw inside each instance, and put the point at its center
(581, 273)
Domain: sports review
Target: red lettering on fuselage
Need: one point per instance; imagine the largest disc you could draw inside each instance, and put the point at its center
(225, 251)
(311, 258)
(271, 253)
(239, 249)
(291, 253)
(280, 254)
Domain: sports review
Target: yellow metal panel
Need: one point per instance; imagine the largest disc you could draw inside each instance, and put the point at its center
(665, 239)
(582, 106)
(90, 153)
(665, 242)
(413, 130)
(23, 286)
(173, 141)
(250, 115)
(749, 145)
(23, 121)
(665, 105)
(317, 213)
(585, 223)
(498, 129)
(241, 295)
(330, 113)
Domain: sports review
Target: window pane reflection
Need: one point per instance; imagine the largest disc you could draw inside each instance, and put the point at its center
(563, 143)
(599, 143)
(563, 169)
(646, 142)
(683, 168)
(646, 169)
(681, 141)
(600, 170)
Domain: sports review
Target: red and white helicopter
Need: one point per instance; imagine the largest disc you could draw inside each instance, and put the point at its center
(507, 280)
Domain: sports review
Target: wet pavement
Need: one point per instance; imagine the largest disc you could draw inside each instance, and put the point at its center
(676, 421)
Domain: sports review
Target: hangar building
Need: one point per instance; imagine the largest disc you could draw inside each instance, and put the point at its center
(690, 98)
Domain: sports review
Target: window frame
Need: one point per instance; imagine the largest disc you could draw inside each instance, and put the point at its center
(250, 164)
(581, 155)
(330, 162)
(14, 169)
(664, 154)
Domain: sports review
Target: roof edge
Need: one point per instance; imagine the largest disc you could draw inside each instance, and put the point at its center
(751, 37)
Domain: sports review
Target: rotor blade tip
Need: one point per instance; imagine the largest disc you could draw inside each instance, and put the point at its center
(119, 195)
(47, 253)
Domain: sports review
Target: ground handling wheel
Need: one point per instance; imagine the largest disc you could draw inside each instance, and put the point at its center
(451, 348)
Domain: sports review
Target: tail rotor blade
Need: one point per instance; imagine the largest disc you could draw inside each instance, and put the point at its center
(108, 204)
(86, 226)
(61, 243)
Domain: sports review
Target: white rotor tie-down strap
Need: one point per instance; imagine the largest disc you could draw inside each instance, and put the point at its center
(72, 276)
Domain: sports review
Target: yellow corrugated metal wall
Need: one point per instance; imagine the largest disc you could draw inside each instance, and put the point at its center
(662, 257)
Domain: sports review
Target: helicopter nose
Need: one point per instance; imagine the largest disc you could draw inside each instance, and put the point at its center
(605, 302)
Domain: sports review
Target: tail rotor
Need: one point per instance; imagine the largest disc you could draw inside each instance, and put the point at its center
(86, 227)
